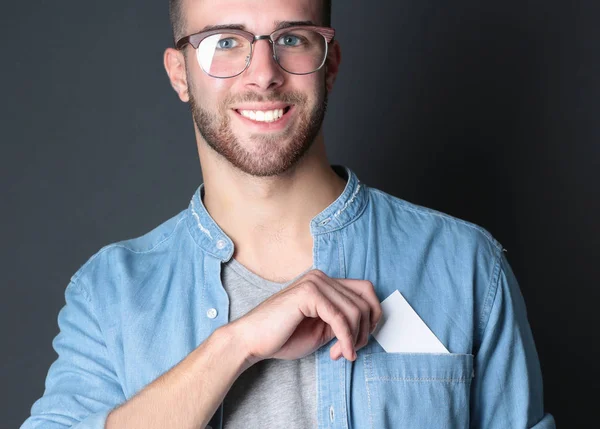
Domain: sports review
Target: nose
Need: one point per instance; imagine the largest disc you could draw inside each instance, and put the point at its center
(263, 72)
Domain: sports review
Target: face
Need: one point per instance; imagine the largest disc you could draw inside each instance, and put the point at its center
(227, 112)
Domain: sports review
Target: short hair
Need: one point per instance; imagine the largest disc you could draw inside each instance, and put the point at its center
(178, 22)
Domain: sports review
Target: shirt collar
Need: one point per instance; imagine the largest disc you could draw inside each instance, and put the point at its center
(345, 209)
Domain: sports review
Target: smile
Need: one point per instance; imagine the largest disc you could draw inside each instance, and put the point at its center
(264, 115)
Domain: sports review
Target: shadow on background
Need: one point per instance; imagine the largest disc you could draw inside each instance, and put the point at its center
(486, 112)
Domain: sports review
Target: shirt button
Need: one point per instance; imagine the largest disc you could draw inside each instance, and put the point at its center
(331, 414)
(212, 313)
(220, 244)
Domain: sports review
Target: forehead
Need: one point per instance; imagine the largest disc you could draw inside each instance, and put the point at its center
(258, 16)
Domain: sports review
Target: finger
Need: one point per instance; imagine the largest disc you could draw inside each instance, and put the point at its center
(317, 303)
(335, 352)
(368, 321)
(366, 291)
(353, 311)
(341, 328)
(365, 309)
(350, 300)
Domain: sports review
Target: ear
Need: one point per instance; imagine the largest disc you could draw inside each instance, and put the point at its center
(332, 64)
(174, 62)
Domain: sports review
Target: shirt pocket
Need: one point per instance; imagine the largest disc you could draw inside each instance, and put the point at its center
(418, 390)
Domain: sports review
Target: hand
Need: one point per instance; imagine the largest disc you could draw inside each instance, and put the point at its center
(307, 314)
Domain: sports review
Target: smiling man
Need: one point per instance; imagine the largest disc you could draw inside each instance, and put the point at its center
(254, 307)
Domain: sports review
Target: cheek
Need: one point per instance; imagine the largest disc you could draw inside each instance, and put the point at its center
(211, 94)
(318, 90)
(312, 85)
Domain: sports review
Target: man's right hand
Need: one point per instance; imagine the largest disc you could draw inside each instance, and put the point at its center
(291, 324)
(299, 319)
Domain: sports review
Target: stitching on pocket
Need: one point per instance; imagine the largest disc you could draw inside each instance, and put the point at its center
(371, 375)
(448, 380)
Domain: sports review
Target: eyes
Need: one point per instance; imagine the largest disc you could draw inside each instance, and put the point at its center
(289, 40)
(228, 43)
(286, 40)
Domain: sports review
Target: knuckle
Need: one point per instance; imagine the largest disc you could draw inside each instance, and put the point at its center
(341, 318)
(356, 314)
(378, 313)
(337, 314)
(318, 274)
(310, 287)
(332, 309)
(368, 285)
(364, 306)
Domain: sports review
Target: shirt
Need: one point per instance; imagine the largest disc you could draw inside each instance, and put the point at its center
(138, 307)
(273, 393)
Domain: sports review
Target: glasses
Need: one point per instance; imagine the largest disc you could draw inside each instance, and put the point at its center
(226, 53)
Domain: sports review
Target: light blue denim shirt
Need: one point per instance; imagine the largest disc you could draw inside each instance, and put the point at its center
(138, 307)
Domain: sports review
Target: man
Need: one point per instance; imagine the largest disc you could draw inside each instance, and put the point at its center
(223, 315)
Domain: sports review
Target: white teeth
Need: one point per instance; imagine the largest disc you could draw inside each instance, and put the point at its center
(262, 115)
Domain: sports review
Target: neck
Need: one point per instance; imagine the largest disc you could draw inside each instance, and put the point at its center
(257, 211)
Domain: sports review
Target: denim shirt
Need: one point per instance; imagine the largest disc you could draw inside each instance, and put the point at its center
(138, 307)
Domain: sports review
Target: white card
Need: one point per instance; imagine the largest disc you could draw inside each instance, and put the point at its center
(400, 329)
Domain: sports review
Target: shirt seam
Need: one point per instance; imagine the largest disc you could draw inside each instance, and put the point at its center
(123, 246)
(497, 270)
(79, 285)
(426, 379)
(198, 244)
(432, 212)
(489, 301)
(351, 221)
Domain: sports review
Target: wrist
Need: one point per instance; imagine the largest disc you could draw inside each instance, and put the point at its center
(232, 339)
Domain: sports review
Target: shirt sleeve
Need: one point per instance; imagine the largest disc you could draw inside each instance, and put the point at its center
(506, 391)
(81, 385)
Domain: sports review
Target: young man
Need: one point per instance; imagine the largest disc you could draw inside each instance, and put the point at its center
(222, 315)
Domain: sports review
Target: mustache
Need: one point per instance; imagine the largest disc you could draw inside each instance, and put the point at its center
(275, 96)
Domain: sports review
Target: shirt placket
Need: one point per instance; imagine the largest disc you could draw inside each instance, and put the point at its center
(331, 377)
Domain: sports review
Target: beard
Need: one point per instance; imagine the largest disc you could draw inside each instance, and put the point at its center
(269, 154)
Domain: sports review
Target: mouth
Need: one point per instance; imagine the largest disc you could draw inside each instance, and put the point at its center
(264, 116)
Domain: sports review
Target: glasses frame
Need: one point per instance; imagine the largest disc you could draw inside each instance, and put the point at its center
(195, 39)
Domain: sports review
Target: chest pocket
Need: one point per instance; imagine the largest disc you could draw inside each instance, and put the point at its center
(418, 390)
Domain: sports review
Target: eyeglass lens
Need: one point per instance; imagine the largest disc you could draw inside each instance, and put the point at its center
(226, 54)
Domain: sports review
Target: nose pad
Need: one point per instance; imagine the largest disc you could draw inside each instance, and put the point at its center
(260, 70)
(249, 58)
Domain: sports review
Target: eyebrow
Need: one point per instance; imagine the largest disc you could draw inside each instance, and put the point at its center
(285, 24)
(278, 26)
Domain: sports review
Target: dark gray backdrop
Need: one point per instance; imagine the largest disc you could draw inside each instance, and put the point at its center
(486, 110)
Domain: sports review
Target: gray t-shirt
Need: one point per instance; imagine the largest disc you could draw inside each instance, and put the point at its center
(273, 393)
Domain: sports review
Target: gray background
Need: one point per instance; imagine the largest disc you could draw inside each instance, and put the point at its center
(486, 110)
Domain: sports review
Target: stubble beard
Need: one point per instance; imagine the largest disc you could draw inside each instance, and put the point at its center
(270, 154)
